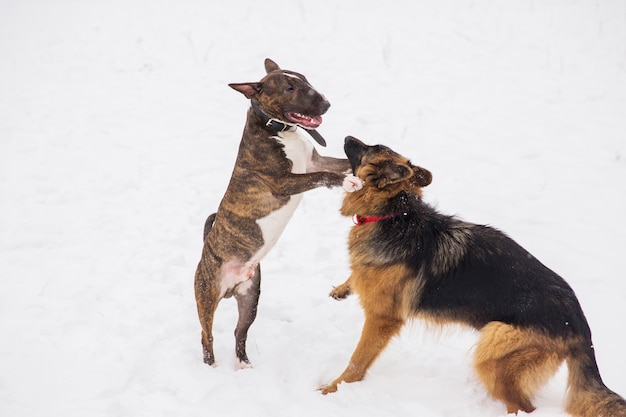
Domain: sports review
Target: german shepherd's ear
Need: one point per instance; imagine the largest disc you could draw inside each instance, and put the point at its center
(247, 89)
(422, 176)
(271, 66)
(391, 173)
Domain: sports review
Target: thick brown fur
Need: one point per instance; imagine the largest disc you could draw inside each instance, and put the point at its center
(412, 262)
(272, 169)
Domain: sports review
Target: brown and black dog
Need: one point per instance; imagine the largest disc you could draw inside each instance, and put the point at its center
(409, 261)
(275, 164)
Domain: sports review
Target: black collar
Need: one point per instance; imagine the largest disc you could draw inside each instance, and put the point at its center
(279, 126)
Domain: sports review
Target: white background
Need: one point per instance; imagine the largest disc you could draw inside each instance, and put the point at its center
(117, 138)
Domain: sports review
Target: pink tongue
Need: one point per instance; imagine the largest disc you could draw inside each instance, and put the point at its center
(309, 122)
(316, 121)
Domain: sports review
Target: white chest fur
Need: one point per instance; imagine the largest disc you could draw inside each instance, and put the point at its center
(299, 150)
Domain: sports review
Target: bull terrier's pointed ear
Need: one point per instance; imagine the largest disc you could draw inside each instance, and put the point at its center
(247, 89)
(271, 66)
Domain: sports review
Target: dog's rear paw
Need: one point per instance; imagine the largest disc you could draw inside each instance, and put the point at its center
(239, 364)
(352, 183)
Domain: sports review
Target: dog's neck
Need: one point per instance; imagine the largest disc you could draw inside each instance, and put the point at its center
(274, 124)
(280, 126)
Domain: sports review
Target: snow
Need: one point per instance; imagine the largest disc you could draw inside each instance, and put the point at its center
(117, 138)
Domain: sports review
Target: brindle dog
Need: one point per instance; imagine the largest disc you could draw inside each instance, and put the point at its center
(275, 164)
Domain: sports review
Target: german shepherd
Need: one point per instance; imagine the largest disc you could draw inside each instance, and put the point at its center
(409, 261)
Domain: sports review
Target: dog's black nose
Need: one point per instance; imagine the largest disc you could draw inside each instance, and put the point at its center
(325, 106)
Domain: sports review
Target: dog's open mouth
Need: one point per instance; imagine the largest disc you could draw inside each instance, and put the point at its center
(307, 122)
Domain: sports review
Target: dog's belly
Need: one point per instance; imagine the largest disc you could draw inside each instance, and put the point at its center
(273, 225)
(236, 274)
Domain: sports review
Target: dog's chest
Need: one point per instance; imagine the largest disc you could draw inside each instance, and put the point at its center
(299, 151)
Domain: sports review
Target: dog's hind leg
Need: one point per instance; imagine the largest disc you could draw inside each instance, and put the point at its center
(207, 292)
(247, 295)
(207, 298)
(513, 363)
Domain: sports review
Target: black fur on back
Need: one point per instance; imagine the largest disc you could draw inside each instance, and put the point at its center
(474, 274)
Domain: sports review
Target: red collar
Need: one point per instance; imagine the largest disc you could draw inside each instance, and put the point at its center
(359, 220)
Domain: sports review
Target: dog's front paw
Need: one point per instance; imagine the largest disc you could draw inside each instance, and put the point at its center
(328, 389)
(352, 183)
(341, 291)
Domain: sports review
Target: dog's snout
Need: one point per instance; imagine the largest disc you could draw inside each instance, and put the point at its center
(320, 98)
(351, 141)
(354, 149)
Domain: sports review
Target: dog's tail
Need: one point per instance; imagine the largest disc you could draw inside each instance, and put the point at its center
(587, 394)
(208, 225)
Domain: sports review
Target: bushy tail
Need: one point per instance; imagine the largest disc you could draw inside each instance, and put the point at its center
(587, 394)
(208, 225)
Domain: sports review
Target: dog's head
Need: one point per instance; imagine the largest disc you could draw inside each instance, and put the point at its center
(286, 96)
(382, 169)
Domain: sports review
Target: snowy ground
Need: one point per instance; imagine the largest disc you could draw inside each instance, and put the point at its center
(117, 138)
